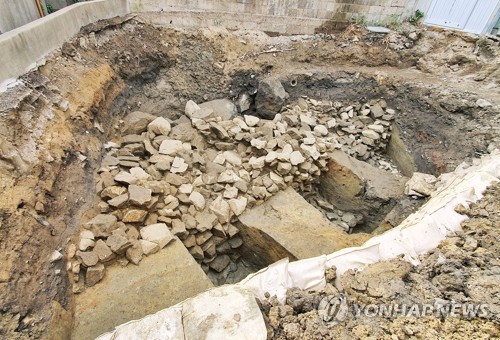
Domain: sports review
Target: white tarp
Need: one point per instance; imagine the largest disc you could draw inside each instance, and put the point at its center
(417, 234)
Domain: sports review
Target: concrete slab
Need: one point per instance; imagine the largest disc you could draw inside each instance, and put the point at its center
(287, 226)
(159, 281)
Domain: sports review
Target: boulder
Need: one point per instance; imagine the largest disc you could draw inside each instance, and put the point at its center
(223, 108)
(270, 98)
(136, 122)
(160, 126)
(356, 186)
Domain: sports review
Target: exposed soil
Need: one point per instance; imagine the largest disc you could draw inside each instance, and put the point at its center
(53, 124)
(463, 270)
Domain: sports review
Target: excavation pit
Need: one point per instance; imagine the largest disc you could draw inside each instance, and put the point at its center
(72, 127)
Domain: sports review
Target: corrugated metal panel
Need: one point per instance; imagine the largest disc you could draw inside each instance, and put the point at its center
(481, 15)
(468, 15)
(451, 13)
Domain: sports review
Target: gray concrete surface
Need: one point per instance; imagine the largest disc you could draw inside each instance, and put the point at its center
(16, 13)
(24, 46)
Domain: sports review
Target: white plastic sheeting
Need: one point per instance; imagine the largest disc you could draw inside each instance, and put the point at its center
(419, 233)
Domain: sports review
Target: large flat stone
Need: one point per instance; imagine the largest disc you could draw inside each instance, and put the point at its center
(159, 281)
(287, 226)
(356, 186)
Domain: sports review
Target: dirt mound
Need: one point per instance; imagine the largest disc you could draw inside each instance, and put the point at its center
(457, 283)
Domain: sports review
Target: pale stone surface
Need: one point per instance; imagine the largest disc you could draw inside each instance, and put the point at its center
(238, 205)
(159, 281)
(171, 147)
(286, 225)
(198, 200)
(420, 184)
(160, 126)
(157, 233)
(212, 315)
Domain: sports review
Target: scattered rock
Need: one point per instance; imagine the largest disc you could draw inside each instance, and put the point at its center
(157, 233)
(94, 274)
(420, 184)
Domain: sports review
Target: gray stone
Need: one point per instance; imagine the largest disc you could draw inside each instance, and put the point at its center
(221, 208)
(198, 200)
(85, 244)
(223, 108)
(134, 176)
(378, 29)
(232, 157)
(102, 224)
(88, 258)
(376, 111)
(220, 263)
(420, 184)
(270, 98)
(94, 274)
(371, 134)
(178, 165)
(171, 147)
(118, 201)
(134, 253)
(113, 191)
(238, 205)
(205, 221)
(136, 122)
(118, 244)
(296, 158)
(103, 251)
(228, 176)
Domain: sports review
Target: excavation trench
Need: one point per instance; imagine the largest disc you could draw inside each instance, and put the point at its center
(209, 184)
(179, 165)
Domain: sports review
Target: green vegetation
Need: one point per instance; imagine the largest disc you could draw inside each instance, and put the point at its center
(394, 22)
(359, 20)
(50, 8)
(415, 19)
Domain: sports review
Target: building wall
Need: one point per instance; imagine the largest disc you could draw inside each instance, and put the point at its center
(17, 13)
(372, 11)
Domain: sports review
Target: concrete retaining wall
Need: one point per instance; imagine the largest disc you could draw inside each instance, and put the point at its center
(23, 47)
(17, 13)
(371, 11)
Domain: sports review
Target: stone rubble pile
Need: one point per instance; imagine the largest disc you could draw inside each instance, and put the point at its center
(190, 179)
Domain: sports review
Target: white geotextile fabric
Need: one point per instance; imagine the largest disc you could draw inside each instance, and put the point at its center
(417, 234)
